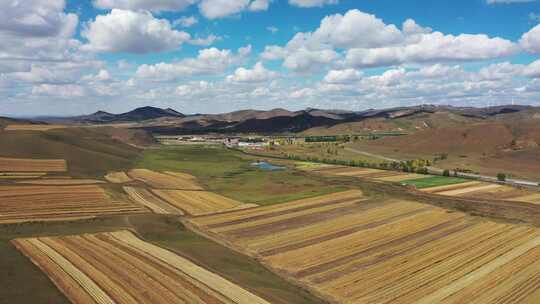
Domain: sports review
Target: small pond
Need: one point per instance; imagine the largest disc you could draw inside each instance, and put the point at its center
(268, 167)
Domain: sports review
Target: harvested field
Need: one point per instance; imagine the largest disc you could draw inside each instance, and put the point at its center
(62, 181)
(198, 202)
(33, 127)
(117, 177)
(42, 203)
(151, 201)
(402, 177)
(530, 198)
(32, 165)
(479, 188)
(21, 175)
(164, 181)
(118, 267)
(354, 250)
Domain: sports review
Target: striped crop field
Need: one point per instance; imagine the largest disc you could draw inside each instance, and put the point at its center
(160, 180)
(61, 181)
(21, 175)
(369, 173)
(42, 203)
(350, 249)
(117, 177)
(199, 202)
(32, 165)
(151, 201)
(118, 267)
(483, 190)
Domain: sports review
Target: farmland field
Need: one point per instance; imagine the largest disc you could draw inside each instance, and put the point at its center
(118, 267)
(42, 203)
(33, 127)
(32, 165)
(117, 177)
(434, 181)
(355, 250)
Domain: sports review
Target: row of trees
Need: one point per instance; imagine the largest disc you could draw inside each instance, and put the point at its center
(413, 166)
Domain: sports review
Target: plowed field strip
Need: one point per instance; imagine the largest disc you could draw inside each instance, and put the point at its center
(408, 265)
(32, 165)
(498, 285)
(390, 250)
(154, 203)
(531, 198)
(419, 235)
(62, 182)
(440, 275)
(196, 202)
(114, 263)
(264, 214)
(289, 225)
(57, 275)
(317, 254)
(339, 234)
(90, 268)
(84, 281)
(177, 281)
(459, 192)
(230, 290)
(479, 273)
(451, 187)
(224, 219)
(284, 216)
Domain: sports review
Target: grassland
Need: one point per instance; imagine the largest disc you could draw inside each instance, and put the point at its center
(354, 250)
(226, 172)
(434, 181)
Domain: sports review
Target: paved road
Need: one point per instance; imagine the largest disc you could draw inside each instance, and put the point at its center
(439, 171)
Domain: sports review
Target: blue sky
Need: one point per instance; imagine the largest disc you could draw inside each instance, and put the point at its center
(75, 57)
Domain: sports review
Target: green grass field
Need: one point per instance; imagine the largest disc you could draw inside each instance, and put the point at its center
(22, 282)
(229, 173)
(434, 181)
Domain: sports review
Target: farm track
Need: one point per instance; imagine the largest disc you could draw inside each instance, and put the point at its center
(395, 252)
(118, 267)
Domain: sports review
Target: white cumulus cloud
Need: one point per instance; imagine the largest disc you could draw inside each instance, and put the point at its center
(131, 32)
(258, 74)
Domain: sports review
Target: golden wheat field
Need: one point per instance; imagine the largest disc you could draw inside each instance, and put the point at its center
(148, 199)
(32, 165)
(117, 177)
(483, 190)
(369, 173)
(41, 203)
(350, 249)
(197, 202)
(118, 267)
(160, 180)
(61, 181)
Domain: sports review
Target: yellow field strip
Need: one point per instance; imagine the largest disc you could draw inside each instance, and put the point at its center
(457, 192)
(531, 198)
(63, 181)
(154, 203)
(117, 177)
(399, 252)
(163, 181)
(451, 187)
(402, 177)
(196, 202)
(240, 215)
(118, 267)
(212, 280)
(32, 165)
(180, 174)
(328, 227)
(480, 273)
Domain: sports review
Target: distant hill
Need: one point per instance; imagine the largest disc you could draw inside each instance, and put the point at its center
(137, 115)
